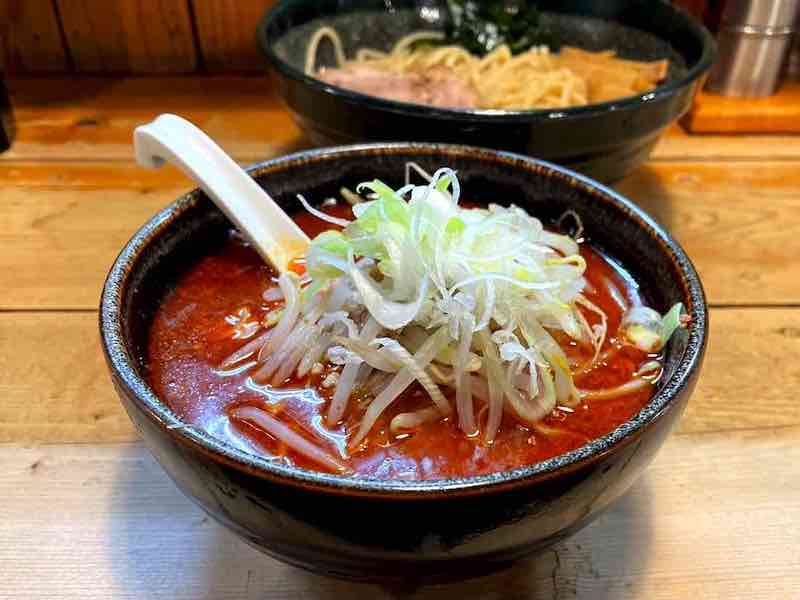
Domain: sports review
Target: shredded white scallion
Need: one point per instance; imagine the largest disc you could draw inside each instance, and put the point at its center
(418, 289)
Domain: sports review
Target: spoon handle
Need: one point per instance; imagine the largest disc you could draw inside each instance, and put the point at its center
(170, 138)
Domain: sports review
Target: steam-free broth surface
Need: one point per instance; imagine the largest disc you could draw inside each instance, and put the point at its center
(217, 304)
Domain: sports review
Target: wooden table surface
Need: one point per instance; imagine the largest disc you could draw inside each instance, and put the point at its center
(86, 513)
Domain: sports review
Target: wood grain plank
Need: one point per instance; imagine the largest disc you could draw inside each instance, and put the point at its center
(94, 121)
(715, 517)
(226, 31)
(30, 40)
(678, 145)
(90, 119)
(129, 36)
(61, 235)
(726, 215)
(734, 219)
(69, 398)
(745, 352)
(66, 396)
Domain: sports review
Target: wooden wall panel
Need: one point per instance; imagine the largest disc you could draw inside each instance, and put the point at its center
(30, 40)
(227, 33)
(129, 36)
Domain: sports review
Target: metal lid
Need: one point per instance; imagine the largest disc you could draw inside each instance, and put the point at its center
(766, 14)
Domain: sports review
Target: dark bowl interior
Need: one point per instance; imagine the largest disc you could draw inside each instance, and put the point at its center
(604, 141)
(380, 529)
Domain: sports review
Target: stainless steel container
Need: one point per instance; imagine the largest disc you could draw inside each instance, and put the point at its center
(760, 13)
(754, 41)
(793, 66)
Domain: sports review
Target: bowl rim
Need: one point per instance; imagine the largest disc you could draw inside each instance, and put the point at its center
(125, 372)
(661, 92)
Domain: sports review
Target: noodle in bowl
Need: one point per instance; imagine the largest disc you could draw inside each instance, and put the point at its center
(604, 140)
(534, 79)
(393, 530)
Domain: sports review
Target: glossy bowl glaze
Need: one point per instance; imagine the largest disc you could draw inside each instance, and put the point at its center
(397, 530)
(604, 141)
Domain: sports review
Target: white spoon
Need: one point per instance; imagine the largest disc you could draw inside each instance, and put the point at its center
(170, 138)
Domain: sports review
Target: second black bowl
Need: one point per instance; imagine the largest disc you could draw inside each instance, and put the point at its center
(604, 141)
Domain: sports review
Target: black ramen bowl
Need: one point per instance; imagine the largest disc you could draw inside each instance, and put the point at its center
(386, 530)
(604, 141)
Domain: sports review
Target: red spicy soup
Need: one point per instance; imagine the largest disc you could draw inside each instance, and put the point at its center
(218, 305)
